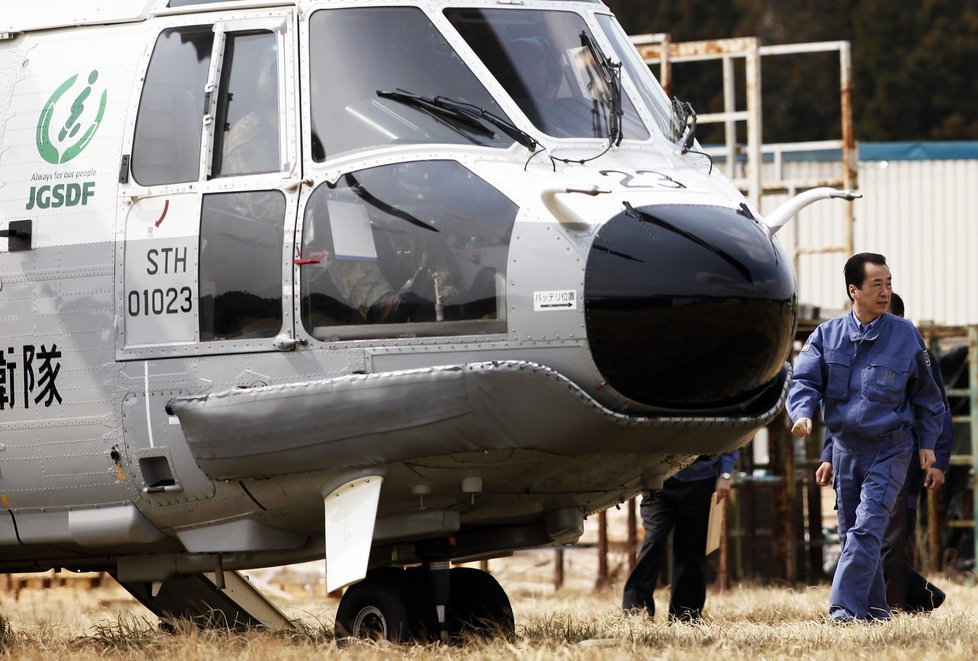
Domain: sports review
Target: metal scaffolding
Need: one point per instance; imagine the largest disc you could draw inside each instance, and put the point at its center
(930, 538)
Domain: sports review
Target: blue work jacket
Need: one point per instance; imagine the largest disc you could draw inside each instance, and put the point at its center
(712, 467)
(942, 450)
(875, 387)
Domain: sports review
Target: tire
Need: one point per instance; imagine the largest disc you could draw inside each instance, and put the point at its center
(380, 607)
(479, 605)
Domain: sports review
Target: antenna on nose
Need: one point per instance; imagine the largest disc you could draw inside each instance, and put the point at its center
(780, 216)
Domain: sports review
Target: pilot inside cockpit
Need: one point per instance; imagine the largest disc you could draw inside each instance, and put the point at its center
(340, 242)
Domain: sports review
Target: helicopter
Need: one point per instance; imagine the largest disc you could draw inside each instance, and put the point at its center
(396, 285)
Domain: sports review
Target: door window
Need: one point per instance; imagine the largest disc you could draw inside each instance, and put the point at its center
(247, 139)
(241, 265)
(166, 147)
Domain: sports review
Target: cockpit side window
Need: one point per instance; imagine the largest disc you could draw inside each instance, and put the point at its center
(241, 238)
(416, 248)
(172, 104)
(543, 61)
(358, 54)
(247, 138)
(648, 88)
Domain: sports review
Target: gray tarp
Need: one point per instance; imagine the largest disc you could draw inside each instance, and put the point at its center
(370, 419)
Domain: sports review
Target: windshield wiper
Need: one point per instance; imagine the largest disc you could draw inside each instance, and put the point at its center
(504, 125)
(466, 114)
(612, 78)
(432, 108)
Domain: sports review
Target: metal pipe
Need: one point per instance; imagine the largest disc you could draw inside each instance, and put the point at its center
(973, 400)
(730, 106)
(777, 218)
(754, 127)
(848, 140)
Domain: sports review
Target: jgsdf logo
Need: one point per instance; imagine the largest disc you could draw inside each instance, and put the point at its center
(60, 144)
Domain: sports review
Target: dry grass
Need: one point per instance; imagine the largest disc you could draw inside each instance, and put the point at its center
(744, 623)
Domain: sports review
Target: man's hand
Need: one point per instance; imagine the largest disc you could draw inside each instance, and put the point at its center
(803, 428)
(934, 478)
(823, 474)
(722, 488)
(927, 459)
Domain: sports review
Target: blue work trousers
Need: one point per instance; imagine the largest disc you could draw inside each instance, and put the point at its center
(866, 488)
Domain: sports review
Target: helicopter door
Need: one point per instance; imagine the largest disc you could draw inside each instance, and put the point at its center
(207, 194)
(211, 180)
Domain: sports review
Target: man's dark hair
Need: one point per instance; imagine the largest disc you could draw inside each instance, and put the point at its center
(896, 305)
(856, 268)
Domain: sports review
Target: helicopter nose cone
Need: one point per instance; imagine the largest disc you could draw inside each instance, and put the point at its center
(688, 307)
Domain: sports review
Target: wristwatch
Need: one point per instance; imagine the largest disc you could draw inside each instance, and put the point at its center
(725, 476)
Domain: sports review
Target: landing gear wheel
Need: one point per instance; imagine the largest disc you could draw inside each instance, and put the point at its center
(479, 605)
(383, 606)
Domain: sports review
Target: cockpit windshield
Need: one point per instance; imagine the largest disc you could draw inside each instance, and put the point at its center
(359, 56)
(545, 61)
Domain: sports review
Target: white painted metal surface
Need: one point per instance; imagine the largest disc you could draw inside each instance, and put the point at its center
(923, 215)
(24, 15)
(351, 511)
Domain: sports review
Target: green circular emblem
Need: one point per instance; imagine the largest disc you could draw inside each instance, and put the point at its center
(60, 143)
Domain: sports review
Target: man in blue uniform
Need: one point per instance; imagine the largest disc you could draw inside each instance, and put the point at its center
(906, 589)
(682, 503)
(870, 373)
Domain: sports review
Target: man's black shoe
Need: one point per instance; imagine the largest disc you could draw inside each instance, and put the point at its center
(935, 597)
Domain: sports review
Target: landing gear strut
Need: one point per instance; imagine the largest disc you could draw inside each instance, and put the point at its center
(402, 605)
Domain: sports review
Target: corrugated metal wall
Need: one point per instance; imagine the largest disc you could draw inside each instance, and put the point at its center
(923, 215)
